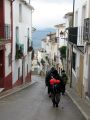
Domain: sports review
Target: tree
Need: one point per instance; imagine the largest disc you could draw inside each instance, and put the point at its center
(63, 52)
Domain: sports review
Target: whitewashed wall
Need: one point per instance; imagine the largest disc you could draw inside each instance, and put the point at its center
(7, 12)
(7, 66)
(79, 7)
(8, 46)
(23, 29)
(39, 56)
(85, 79)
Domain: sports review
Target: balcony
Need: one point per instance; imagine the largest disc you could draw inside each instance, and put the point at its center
(86, 31)
(19, 51)
(30, 48)
(4, 35)
(72, 35)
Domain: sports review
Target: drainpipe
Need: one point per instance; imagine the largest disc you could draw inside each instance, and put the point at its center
(73, 13)
(11, 4)
(88, 8)
(72, 45)
(29, 1)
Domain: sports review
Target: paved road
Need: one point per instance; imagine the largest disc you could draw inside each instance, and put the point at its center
(33, 103)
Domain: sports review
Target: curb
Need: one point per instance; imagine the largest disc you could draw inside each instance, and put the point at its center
(19, 88)
(82, 112)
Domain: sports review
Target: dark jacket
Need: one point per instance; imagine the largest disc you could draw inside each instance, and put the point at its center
(48, 76)
(64, 77)
(58, 77)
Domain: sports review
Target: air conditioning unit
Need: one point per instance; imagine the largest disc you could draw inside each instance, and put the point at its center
(86, 30)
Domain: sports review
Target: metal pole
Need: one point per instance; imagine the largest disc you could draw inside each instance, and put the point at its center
(72, 45)
(11, 4)
(71, 64)
(29, 1)
(11, 35)
(73, 13)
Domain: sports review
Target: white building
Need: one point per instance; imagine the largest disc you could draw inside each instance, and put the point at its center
(80, 49)
(80, 68)
(82, 11)
(51, 47)
(60, 34)
(5, 45)
(61, 41)
(22, 39)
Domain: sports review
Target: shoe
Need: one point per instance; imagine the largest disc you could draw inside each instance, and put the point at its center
(56, 105)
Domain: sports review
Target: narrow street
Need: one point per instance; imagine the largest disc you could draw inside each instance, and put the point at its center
(33, 103)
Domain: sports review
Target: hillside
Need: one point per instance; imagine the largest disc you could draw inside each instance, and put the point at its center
(38, 35)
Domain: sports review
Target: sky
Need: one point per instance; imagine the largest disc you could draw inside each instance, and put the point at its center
(48, 13)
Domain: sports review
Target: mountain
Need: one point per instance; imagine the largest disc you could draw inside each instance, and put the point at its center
(38, 35)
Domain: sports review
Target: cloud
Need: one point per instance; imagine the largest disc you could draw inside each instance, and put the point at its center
(50, 13)
(52, 1)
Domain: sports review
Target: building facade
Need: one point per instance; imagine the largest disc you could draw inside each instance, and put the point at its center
(80, 50)
(15, 42)
(22, 42)
(5, 45)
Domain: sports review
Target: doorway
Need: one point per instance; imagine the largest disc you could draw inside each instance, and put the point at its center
(1, 68)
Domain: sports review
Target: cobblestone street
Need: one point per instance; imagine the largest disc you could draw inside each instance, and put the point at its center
(33, 103)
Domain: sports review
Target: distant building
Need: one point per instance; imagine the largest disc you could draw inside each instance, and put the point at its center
(60, 34)
(50, 44)
(61, 40)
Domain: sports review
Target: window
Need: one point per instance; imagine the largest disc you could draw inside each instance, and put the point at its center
(9, 59)
(20, 12)
(76, 18)
(27, 69)
(28, 39)
(83, 17)
(17, 34)
(74, 61)
(18, 73)
(7, 31)
(83, 13)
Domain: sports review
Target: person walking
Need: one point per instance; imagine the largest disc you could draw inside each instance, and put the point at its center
(64, 78)
(47, 79)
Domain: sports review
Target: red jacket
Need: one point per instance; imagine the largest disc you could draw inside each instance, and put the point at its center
(54, 81)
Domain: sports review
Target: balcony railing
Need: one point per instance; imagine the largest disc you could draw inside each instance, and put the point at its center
(5, 34)
(4, 41)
